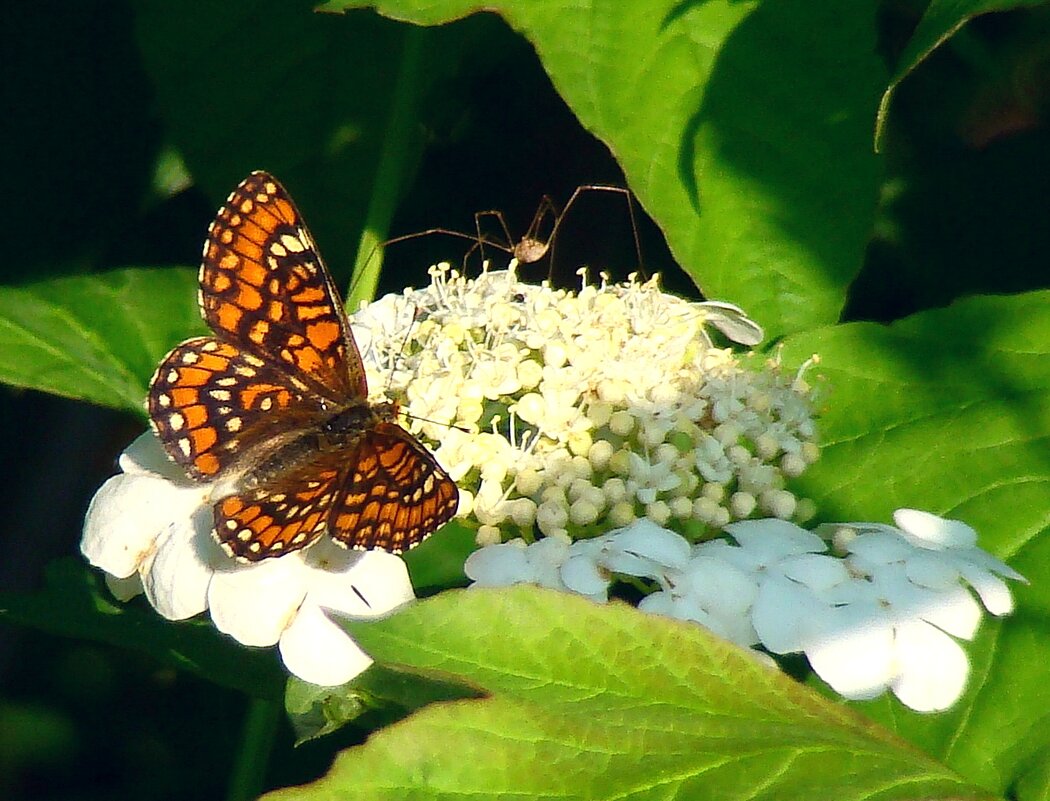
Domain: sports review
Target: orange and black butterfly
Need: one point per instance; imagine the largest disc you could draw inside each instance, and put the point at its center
(277, 399)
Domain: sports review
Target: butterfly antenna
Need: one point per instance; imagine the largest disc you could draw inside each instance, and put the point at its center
(435, 422)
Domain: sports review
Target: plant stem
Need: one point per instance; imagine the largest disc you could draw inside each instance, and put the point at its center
(389, 176)
(249, 767)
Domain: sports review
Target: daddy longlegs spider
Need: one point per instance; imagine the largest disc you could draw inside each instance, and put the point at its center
(728, 318)
(530, 248)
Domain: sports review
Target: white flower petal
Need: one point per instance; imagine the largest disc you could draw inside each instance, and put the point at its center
(725, 617)
(784, 614)
(361, 584)
(984, 560)
(819, 572)
(953, 610)
(720, 587)
(992, 590)
(255, 603)
(546, 558)
(773, 539)
(878, 548)
(499, 566)
(929, 569)
(732, 321)
(176, 579)
(742, 559)
(317, 650)
(932, 668)
(146, 456)
(127, 515)
(581, 574)
(736, 629)
(933, 531)
(645, 539)
(658, 603)
(854, 652)
(617, 561)
(124, 589)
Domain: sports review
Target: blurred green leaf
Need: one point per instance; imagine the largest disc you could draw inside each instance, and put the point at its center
(949, 411)
(744, 129)
(612, 702)
(95, 337)
(75, 603)
(306, 97)
(33, 734)
(942, 20)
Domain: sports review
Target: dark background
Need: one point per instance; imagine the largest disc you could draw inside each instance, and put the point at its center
(81, 137)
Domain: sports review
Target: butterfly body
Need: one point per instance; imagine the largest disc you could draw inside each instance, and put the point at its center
(275, 404)
(336, 431)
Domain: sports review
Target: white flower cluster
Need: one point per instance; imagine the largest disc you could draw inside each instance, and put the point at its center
(883, 610)
(576, 412)
(150, 529)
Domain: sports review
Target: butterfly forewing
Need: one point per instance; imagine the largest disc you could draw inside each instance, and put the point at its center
(211, 404)
(265, 288)
(277, 399)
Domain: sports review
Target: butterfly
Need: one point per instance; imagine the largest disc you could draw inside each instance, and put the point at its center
(276, 401)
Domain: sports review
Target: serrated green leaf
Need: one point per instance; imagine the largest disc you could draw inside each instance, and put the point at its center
(592, 701)
(95, 337)
(941, 21)
(949, 411)
(75, 603)
(744, 129)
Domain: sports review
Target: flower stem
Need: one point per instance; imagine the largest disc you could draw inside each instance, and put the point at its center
(389, 177)
(249, 767)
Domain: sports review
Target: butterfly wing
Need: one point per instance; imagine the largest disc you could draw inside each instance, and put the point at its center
(282, 362)
(385, 491)
(396, 494)
(284, 516)
(264, 287)
(211, 404)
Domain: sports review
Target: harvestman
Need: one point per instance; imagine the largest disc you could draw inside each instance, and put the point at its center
(728, 318)
(530, 248)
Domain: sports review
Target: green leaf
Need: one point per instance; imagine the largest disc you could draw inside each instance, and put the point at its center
(306, 97)
(590, 701)
(95, 337)
(744, 129)
(949, 411)
(378, 697)
(75, 603)
(942, 20)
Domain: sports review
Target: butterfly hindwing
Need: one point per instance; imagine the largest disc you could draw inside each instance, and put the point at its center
(396, 493)
(283, 516)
